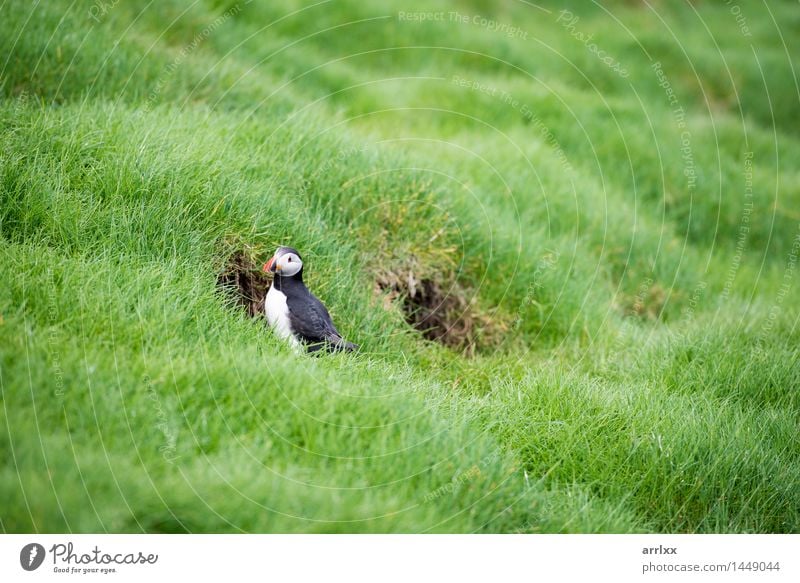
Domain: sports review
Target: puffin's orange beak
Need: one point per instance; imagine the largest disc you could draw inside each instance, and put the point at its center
(269, 265)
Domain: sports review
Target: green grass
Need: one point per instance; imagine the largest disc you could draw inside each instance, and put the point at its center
(641, 374)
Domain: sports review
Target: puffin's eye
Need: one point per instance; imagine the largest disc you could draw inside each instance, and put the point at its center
(290, 259)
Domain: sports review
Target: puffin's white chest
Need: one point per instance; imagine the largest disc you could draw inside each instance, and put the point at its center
(277, 312)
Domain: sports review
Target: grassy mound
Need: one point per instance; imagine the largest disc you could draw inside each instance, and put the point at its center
(573, 287)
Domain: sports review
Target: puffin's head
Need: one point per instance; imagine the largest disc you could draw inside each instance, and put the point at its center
(286, 262)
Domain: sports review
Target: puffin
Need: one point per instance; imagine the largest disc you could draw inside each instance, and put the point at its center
(295, 313)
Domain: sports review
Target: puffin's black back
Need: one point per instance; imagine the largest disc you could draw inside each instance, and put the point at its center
(308, 317)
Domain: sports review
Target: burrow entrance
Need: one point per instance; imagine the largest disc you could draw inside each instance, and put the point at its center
(243, 281)
(440, 312)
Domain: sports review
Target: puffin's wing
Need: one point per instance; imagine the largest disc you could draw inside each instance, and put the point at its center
(311, 321)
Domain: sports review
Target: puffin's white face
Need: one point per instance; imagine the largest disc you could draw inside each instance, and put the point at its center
(288, 264)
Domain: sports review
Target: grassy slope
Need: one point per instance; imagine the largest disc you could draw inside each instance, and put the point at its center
(647, 379)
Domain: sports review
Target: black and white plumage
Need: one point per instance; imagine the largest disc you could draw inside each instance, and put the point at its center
(294, 312)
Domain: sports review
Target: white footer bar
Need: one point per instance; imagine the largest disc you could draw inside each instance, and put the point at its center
(401, 558)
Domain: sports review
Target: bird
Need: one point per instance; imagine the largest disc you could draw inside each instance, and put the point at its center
(294, 312)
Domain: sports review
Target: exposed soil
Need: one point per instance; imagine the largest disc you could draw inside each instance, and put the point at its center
(441, 313)
(244, 282)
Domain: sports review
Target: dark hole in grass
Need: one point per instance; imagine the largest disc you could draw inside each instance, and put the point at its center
(243, 281)
(442, 313)
(439, 316)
